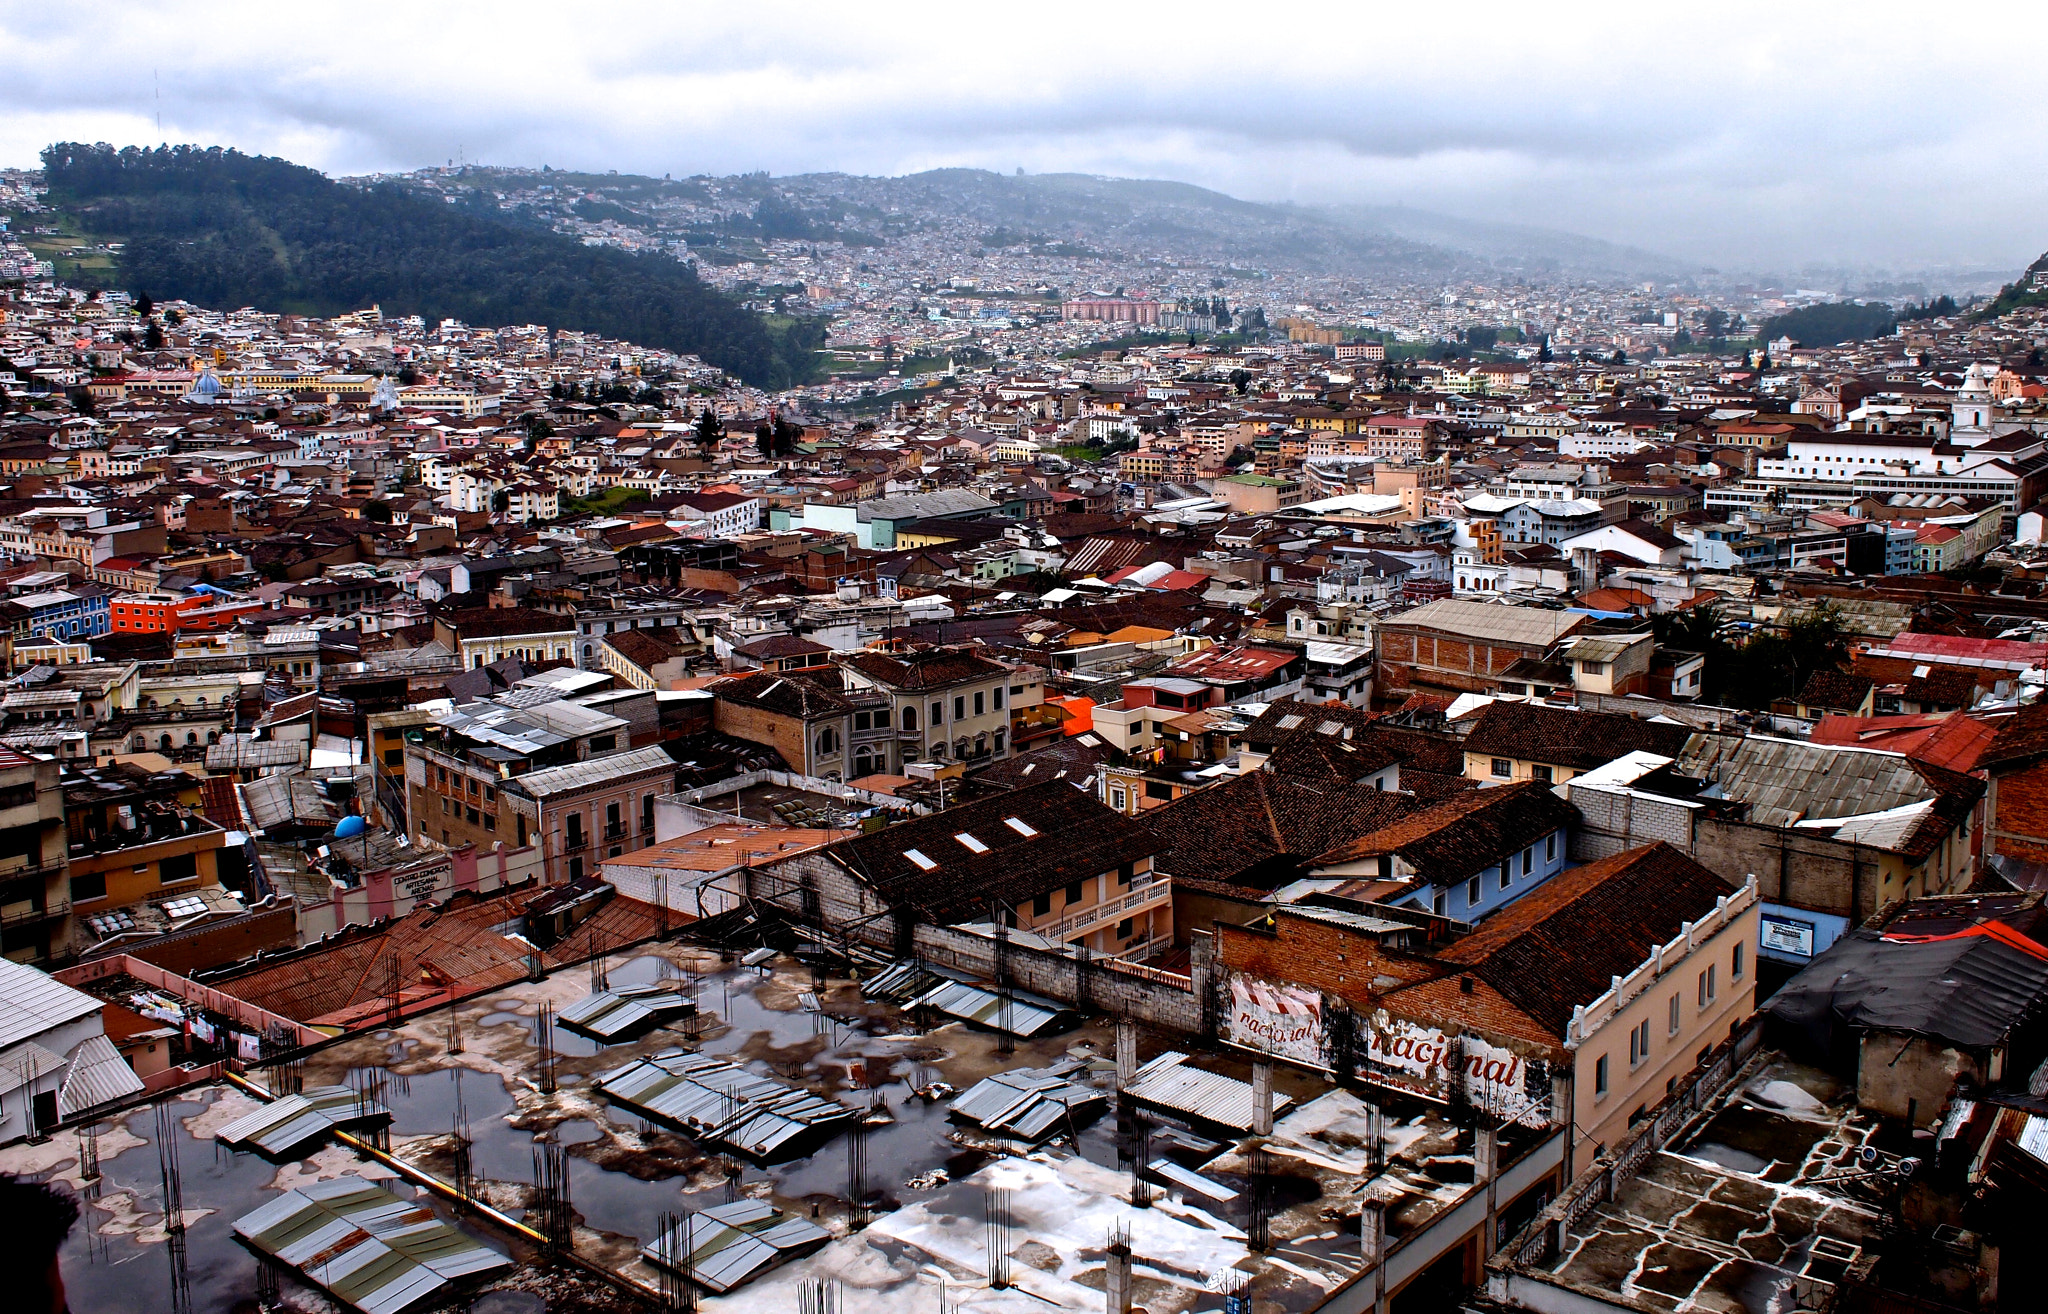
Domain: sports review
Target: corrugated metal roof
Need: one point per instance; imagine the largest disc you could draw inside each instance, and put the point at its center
(1030, 1103)
(27, 1063)
(33, 1002)
(364, 1245)
(1491, 622)
(98, 1075)
(730, 1245)
(592, 771)
(617, 1014)
(1020, 1014)
(294, 1121)
(1170, 1083)
(1785, 781)
(719, 1100)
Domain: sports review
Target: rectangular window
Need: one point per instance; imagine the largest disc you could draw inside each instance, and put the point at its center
(1540, 772)
(1502, 768)
(1041, 906)
(89, 887)
(178, 867)
(1507, 873)
(1550, 848)
(998, 696)
(1600, 1076)
(1076, 892)
(960, 707)
(1735, 973)
(1123, 929)
(1116, 799)
(1472, 893)
(881, 718)
(980, 703)
(1673, 1024)
(1710, 983)
(863, 720)
(1437, 903)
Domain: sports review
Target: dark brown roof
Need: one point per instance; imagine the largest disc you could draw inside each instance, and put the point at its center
(1215, 834)
(2021, 737)
(1288, 717)
(1563, 943)
(1579, 740)
(931, 668)
(644, 648)
(782, 645)
(1467, 833)
(1073, 837)
(1838, 691)
(786, 695)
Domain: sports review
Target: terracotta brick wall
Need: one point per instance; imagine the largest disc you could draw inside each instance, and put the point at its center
(2019, 818)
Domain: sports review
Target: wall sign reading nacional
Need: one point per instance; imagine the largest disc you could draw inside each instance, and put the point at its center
(1497, 1080)
(1284, 1021)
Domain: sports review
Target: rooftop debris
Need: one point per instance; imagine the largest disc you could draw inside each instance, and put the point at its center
(626, 1011)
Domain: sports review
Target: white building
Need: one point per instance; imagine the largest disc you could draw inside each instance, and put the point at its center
(55, 1058)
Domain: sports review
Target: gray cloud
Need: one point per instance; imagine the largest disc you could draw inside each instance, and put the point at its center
(1772, 135)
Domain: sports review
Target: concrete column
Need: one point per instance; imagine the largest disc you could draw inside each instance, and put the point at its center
(1262, 1098)
(1116, 1284)
(1372, 1248)
(1485, 1151)
(1126, 1052)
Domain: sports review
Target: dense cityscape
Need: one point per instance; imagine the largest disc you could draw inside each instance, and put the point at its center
(1118, 753)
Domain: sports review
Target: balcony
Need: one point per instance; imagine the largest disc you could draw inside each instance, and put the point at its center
(575, 841)
(1154, 894)
(23, 914)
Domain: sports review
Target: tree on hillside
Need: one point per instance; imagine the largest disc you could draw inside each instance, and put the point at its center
(709, 431)
(377, 512)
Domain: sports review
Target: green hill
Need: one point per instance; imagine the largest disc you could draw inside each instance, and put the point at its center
(2019, 293)
(219, 228)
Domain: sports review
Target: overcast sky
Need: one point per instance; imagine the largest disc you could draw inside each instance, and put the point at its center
(1766, 136)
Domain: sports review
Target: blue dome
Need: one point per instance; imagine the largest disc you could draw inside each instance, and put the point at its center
(349, 828)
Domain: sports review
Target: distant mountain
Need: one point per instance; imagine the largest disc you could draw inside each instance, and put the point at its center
(220, 228)
(1518, 247)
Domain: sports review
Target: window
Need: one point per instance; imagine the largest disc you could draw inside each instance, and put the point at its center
(1528, 859)
(1540, 772)
(980, 703)
(1673, 1024)
(178, 867)
(1116, 799)
(1709, 984)
(1022, 827)
(923, 863)
(959, 707)
(394, 757)
(938, 713)
(88, 887)
(1502, 768)
(1550, 855)
(1472, 893)
(882, 718)
(1437, 902)
(997, 696)
(910, 718)
(1507, 873)
(863, 720)
(1041, 905)
(1076, 892)
(1639, 1043)
(828, 740)
(970, 843)
(1735, 971)
(1123, 929)
(1600, 1076)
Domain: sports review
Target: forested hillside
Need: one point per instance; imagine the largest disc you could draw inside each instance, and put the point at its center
(220, 228)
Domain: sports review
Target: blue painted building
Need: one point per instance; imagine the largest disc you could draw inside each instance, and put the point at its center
(75, 613)
(1467, 856)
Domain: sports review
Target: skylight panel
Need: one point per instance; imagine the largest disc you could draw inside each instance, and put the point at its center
(923, 862)
(1022, 827)
(972, 844)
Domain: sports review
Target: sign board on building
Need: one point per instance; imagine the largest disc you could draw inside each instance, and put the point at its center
(1426, 1060)
(1281, 1020)
(1787, 935)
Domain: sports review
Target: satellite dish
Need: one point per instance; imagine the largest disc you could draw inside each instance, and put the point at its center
(349, 828)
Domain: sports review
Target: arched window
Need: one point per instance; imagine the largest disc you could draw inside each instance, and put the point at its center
(939, 749)
(960, 747)
(910, 718)
(863, 762)
(828, 740)
(165, 743)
